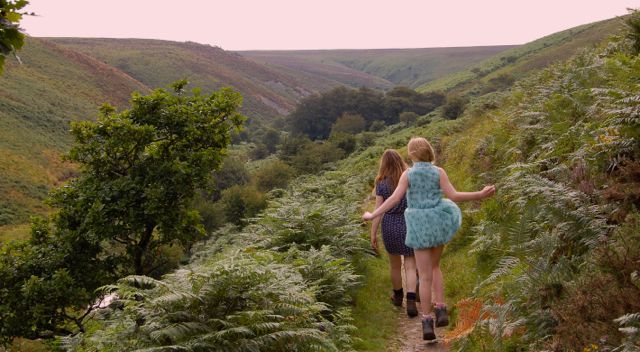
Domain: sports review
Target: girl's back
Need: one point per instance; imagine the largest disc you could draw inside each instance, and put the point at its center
(431, 220)
(424, 186)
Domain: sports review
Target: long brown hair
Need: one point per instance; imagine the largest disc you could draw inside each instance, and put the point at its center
(391, 168)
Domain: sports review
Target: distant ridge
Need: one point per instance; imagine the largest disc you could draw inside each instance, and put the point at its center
(407, 67)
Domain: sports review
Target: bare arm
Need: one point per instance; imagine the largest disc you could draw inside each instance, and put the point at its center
(451, 193)
(395, 198)
(375, 224)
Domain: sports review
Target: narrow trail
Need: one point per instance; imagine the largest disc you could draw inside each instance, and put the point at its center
(409, 338)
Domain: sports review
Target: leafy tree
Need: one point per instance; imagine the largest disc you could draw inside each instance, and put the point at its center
(241, 203)
(408, 117)
(377, 125)
(345, 141)
(142, 166)
(290, 145)
(11, 39)
(231, 173)
(314, 155)
(404, 99)
(349, 123)
(271, 139)
(315, 114)
(140, 170)
(275, 174)
(454, 107)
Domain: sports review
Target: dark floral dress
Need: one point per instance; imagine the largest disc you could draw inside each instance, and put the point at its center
(394, 229)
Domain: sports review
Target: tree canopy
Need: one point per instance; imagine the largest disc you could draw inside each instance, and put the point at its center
(11, 39)
(140, 170)
(316, 115)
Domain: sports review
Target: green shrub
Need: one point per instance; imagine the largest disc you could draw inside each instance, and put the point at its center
(241, 203)
(408, 117)
(349, 123)
(345, 141)
(273, 174)
(454, 106)
(377, 126)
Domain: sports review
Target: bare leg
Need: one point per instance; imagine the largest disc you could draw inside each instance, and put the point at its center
(438, 286)
(410, 273)
(425, 271)
(395, 266)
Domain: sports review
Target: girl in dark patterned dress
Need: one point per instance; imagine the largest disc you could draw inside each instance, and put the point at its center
(431, 222)
(394, 230)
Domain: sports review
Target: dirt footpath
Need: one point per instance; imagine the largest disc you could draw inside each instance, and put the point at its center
(409, 338)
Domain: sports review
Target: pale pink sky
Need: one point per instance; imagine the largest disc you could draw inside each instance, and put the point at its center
(319, 24)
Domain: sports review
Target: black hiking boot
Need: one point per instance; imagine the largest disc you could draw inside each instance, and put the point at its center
(442, 318)
(412, 310)
(428, 330)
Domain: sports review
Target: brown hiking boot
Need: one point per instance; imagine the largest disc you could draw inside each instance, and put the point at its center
(412, 310)
(442, 318)
(428, 330)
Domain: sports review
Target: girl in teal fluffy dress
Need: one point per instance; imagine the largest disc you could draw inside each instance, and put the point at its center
(431, 222)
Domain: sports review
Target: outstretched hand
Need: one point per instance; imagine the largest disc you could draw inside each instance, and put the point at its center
(488, 191)
(367, 216)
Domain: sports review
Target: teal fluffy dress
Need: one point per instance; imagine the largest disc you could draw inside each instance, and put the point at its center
(431, 220)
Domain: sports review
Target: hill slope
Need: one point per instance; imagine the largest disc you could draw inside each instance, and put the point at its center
(38, 99)
(519, 61)
(406, 67)
(267, 93)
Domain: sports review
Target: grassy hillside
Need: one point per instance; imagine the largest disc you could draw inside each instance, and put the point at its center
(267, 93)
(527, 58)
(38, 99)
(406, 67)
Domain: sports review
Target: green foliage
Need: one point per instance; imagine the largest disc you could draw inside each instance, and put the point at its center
(454, 106)
(273, 174)
(232, 172)
(313, 156)
(242, 303)
(559, 238)
(282, 283)
(633, 22)
(128, 212)
(317, 115)
(528, 58)
(240, 203)
(349, 123)
(41, 286)
(141, 168)
(403, 99)
(345, 141)
(331, 277)
(408, 117)
(11, 39)
(377, 125)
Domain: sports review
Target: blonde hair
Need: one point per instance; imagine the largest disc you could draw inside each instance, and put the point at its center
(391, 168)
(420, 149)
